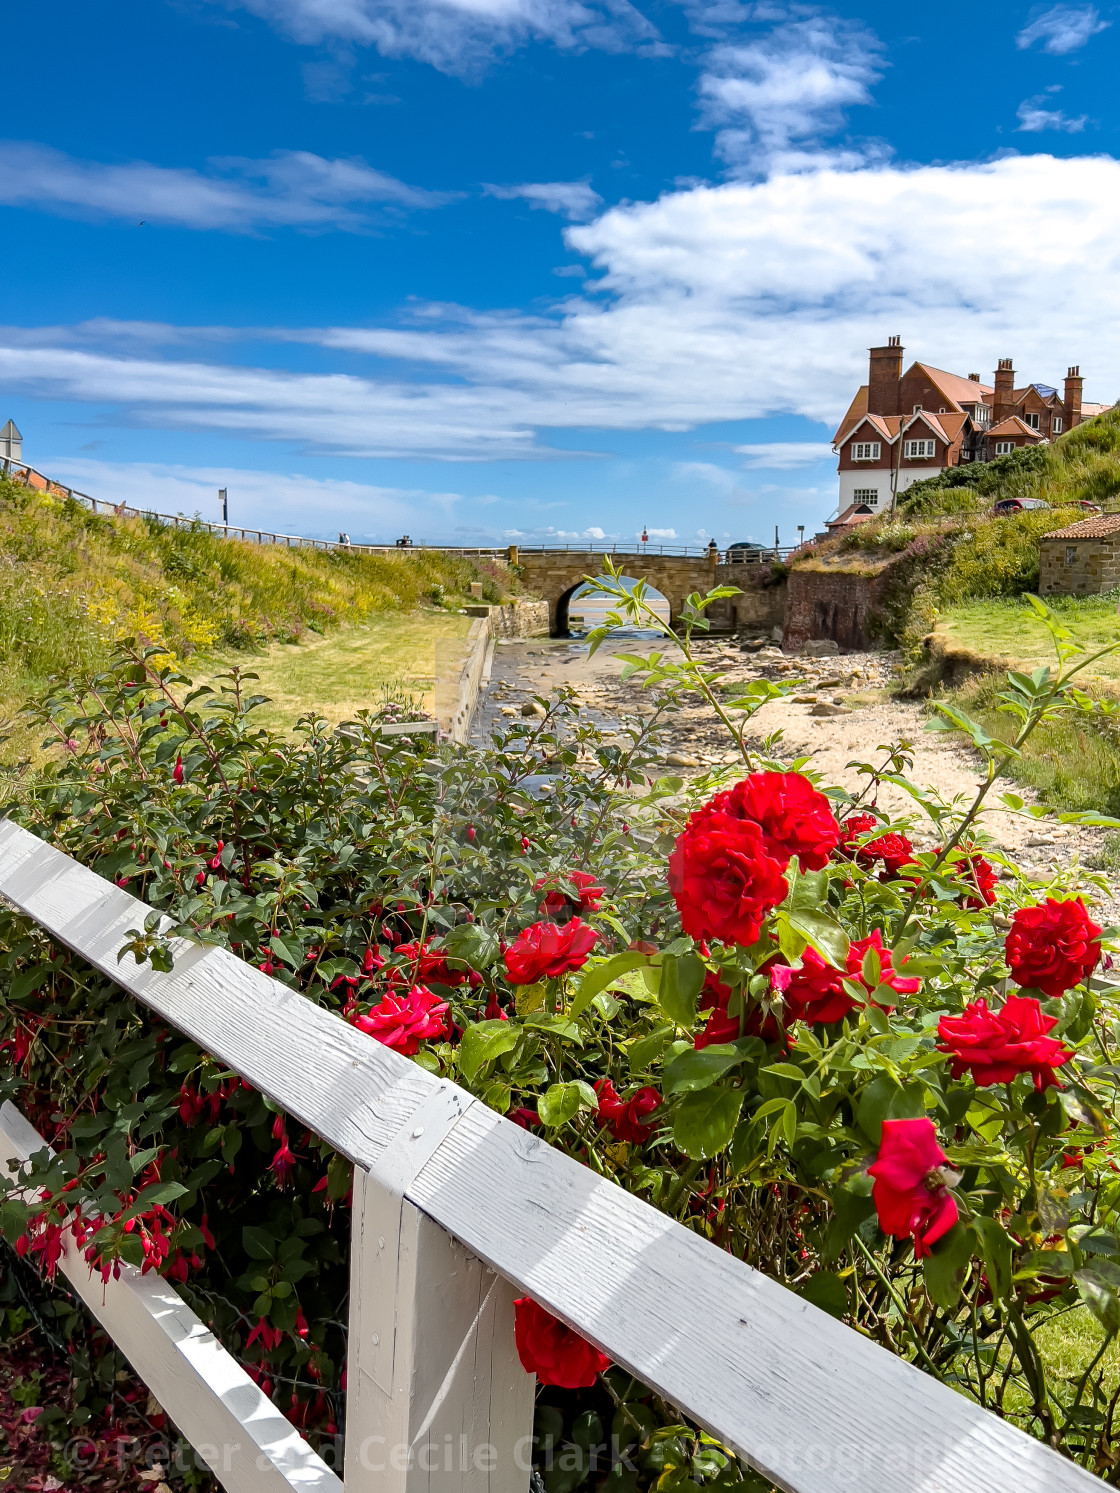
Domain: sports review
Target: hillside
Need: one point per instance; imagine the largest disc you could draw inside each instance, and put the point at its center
(943, 546)
(72, 584)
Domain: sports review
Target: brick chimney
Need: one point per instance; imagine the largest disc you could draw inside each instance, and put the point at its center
(1005, 388)
(884, 377)
(1071, 397)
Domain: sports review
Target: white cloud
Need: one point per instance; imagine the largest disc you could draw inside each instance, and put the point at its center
(778, 96)
(782, 455)
(1034, 118)
(283, 504)
(457, 35)
(665, 534)
(576, 200)
(714, 303)
(291, 188)
(1062, 29)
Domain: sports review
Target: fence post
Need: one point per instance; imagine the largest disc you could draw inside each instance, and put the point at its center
(436, 1398)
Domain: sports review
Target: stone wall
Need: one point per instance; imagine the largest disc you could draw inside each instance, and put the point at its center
(514, 619)
(759, 608)
(555, 574)
(836, 604)
(1078, 567)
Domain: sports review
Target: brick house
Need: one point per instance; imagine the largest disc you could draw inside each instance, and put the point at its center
(1081, 560)
(902, 427)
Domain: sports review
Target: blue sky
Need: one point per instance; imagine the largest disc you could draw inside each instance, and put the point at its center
(478, 269)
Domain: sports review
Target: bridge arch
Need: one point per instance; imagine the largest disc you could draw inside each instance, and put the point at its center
(564, 607)
(556, 574)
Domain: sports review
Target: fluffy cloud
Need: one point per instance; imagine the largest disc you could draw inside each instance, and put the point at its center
(571, 199)
(457, 35)
(1062, 29)
(777, 96)
(784, 455)
(1034, 117)
(714, 303)
(292, 188)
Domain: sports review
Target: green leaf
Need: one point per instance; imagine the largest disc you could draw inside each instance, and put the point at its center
(883, 1099)
(258, 1243)
(995, 1251)
(681, 981)
(483, 1041)
(282, 951)
(827, 1291)
(641, 1052)
(563, 1101)
(698, 1069)
(158, 1192)
(473, 944)
(601, 976)
(704, 1122)
(1099, 1285)
(945, 1267)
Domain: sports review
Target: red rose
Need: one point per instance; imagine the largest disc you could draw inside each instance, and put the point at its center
(995, 1046)
(553, 1352)
(722, 1026)
(851, 829)
(722, 879)
(432, 964)
(557, 900)
(626, 1117)
(1052, 946)
(816, 993)
(526, 1119)
(980, 874)
(404, 1021)
(794, 818)
(912, 1181)
(545, 951)
(894, 850)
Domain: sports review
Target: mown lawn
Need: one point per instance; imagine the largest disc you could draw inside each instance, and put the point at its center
(1010, 629)
(403, 654)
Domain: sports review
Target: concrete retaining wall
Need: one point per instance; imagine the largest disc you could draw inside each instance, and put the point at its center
(517, 619)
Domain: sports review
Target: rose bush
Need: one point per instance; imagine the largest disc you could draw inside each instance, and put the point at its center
(784, 1018)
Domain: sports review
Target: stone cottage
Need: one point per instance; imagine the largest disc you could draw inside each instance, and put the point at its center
(1082, 560)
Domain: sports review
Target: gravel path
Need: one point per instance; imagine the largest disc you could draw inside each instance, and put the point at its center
(861, 719)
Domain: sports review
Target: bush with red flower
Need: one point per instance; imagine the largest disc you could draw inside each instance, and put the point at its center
(826, 1039)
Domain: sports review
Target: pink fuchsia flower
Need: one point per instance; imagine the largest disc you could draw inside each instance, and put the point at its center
(912, 1182)
(545, 951)
(402, 1022)
(177, 774)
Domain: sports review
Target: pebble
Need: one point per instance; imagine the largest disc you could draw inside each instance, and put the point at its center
(682, 759)
(823, 710)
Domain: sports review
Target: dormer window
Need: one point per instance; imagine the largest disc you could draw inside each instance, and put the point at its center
(920, 448)
(865, 450)
(981, 414)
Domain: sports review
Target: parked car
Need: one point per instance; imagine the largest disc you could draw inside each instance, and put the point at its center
(1017, 505)
(742, 552)
(1087, 507)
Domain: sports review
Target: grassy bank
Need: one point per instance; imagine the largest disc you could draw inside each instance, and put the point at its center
(395, 653)
(73, 583)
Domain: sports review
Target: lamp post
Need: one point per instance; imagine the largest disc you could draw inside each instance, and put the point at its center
(800, 535)
(223, 498)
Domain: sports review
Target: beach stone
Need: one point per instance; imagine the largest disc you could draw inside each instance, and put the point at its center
(825, 710)
(820, 648)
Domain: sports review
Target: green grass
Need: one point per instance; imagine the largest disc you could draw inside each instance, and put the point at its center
(73, 584)
(1001, 628)
(415, 654)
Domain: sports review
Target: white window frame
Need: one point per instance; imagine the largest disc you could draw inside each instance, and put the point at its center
(1032, 419)
(1004, 448)
(1057, 425)
(919, 449)
(982, 415)
(866, 450)
(868, 495)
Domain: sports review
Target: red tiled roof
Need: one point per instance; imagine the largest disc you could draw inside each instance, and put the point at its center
(956, 389)
(856, 410)
(1014, 426)
(1098, 527)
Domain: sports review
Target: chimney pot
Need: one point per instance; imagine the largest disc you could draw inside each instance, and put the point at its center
(975, 377)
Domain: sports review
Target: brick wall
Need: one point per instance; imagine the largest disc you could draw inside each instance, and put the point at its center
(1078, 567)
(836, 604)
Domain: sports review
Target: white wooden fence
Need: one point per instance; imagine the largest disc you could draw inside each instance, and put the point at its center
(456, 1211)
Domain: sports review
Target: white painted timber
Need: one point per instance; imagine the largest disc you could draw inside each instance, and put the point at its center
(236, 1430)
(806, 1400)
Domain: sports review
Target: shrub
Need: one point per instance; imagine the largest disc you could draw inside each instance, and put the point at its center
(848, 1098)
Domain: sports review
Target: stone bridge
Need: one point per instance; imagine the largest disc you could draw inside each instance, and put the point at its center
(557, 574)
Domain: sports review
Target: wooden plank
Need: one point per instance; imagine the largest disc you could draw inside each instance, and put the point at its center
(804, 1398)
(352, 1091)
(236, 1430)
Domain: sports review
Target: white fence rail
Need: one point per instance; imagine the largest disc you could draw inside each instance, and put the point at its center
(456, 1209)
